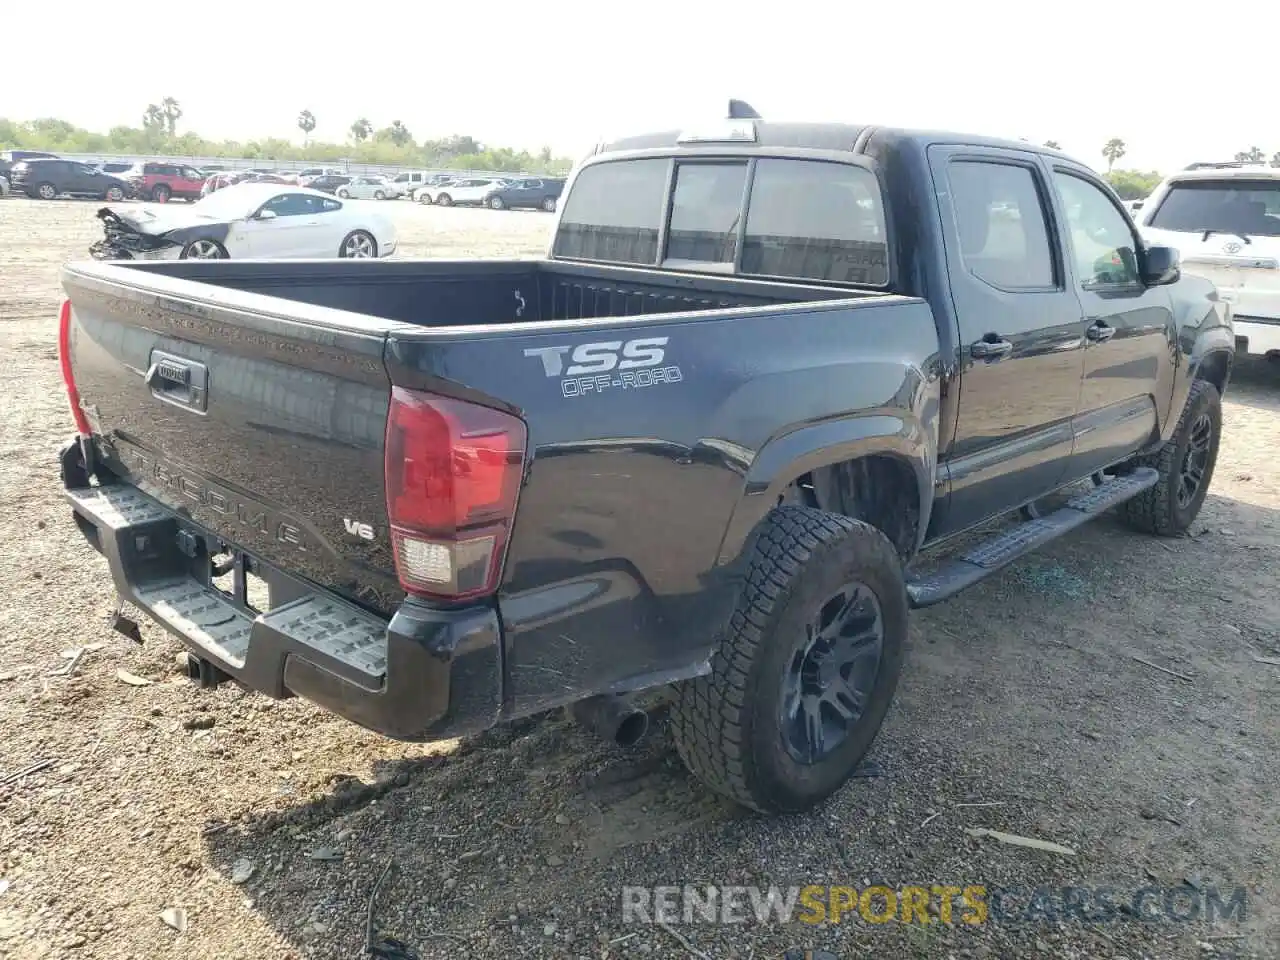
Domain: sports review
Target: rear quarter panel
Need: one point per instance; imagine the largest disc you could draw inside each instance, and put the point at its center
(619, 571)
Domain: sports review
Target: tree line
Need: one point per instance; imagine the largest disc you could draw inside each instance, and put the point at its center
(1137, 184)
(393, 144)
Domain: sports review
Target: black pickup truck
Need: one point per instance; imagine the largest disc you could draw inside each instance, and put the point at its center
(719, 438)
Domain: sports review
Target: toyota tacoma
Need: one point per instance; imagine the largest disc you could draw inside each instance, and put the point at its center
(722, 438)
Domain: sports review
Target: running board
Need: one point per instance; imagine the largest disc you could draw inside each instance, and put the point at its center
(984, 559)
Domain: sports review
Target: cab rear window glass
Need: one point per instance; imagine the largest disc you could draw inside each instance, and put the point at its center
(805, 219)
(705, 209)
(1238, 206)
(816, 220)
(613, 212)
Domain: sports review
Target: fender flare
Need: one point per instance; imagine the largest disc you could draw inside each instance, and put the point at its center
(785, 458)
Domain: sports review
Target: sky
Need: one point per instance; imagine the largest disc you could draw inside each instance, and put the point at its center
(1173, 84)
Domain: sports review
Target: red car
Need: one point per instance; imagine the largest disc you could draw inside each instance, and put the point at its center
(159, 182)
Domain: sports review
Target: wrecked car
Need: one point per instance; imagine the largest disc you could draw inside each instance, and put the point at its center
(256, 220)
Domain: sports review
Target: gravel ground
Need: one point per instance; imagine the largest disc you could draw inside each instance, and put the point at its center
(1022, 709)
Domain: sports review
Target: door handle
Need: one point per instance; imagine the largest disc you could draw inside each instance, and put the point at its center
(990, 349)
(1100, 332)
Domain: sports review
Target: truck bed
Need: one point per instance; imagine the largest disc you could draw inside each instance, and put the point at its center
(448, 293)
(247, 404)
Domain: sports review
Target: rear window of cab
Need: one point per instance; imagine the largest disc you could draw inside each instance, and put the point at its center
(804, 219)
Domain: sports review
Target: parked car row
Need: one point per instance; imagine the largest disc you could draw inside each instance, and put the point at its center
(48, 177)
(497, 193)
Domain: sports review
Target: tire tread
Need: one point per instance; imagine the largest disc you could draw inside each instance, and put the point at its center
(709, 721)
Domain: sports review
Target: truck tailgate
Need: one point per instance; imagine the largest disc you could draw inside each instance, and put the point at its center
(265, 429)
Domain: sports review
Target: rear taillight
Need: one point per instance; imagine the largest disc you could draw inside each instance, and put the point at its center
(64, 359)
(453, 474)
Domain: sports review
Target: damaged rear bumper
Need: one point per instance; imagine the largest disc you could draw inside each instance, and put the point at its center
(425, 674)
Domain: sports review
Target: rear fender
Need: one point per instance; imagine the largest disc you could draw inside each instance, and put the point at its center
(785, 459)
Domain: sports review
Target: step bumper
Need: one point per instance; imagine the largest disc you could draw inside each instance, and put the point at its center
(425, 674)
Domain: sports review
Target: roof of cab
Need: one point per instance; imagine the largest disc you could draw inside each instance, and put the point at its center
(822, 136)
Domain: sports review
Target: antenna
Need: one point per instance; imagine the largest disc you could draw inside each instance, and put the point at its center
(741, 110)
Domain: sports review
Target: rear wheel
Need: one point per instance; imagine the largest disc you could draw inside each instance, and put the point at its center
(496, 203)
(424, 197)
(549, 204)
(160, 193)
(379, 195)
(358, 245)
(1185, 464)
(344, 193)
(203, 250)
(806, 668)
(47, 191)
(114, 194)
(444, 200)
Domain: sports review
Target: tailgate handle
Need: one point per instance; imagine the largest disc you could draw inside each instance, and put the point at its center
(178, 380)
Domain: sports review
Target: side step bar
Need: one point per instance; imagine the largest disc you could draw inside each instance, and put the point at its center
(984, 559)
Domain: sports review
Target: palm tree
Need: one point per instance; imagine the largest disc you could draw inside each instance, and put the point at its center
(1053, 144)
(153, 119)
(172, 114)
(306, 123)
(361, 130)
(1275, 159)
(1252, 155)
(1113, 151)
(400, 134)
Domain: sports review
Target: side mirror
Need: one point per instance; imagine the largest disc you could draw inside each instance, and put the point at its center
(1137, 205)
(266, 215)
(1160, 265)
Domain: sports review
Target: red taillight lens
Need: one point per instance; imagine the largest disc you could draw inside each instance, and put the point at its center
(453, 477)
(64, 359)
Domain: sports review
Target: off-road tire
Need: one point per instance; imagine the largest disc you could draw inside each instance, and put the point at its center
(1157, 510)
(726, 724)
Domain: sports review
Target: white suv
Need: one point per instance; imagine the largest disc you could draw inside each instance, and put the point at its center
(1225, 222)
(467, 190)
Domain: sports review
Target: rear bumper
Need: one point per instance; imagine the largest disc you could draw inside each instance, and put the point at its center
(1260, 336)
(425, 674)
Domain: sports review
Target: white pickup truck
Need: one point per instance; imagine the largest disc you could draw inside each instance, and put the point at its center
(1225, 222)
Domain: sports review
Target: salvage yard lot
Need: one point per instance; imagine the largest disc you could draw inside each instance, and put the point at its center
(1022, 709)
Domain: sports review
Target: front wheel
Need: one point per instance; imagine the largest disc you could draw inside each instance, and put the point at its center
(358, 245)
(344, 193)
(114, 194)
(496, 203)
(203, 250)
(379, 195)
(47, 191)
(549, 204)
(803, 674)
(444, 200)
(424, 197)
(161, 194)
(1185, 464)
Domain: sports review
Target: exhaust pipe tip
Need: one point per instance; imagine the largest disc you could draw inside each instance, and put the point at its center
(612, 718)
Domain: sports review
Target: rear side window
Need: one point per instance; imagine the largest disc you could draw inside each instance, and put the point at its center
(1230, 205)
(614, 212)
(816, 220)
(705, 209)
(1004, 240)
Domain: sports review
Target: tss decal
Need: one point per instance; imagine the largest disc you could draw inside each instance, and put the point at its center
(609, 364)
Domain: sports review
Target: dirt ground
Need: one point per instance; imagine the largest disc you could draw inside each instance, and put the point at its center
(1022, 709)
